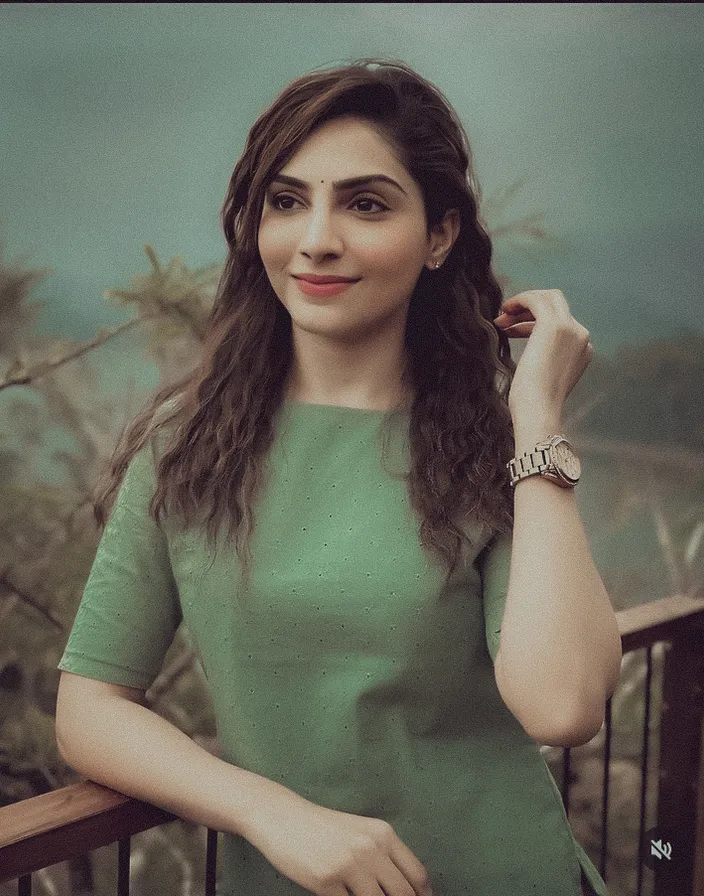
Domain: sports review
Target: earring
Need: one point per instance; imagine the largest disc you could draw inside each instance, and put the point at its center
(437, 265)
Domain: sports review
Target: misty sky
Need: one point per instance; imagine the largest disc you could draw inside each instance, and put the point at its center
(120, 125)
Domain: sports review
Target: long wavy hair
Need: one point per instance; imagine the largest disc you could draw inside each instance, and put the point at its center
(221, 416)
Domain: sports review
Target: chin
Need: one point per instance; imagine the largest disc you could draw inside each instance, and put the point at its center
(320, 324)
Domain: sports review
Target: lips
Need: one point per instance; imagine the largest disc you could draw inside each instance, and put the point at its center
(324, 278)
(324, 290)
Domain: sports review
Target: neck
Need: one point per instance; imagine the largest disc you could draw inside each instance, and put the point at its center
(352, 374)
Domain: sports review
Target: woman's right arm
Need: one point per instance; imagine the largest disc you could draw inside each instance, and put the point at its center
(106, 733)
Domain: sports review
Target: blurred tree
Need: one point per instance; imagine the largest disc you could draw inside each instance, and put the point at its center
(48, 535)
(638, 416)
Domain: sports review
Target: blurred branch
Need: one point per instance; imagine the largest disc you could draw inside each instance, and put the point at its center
(527, 226)
(173, 291)
(493, 204)
(668, 459)
(11, 601)
(668, 552)
(575, 417)
(30, 601)
(694, 544)
(22, 377)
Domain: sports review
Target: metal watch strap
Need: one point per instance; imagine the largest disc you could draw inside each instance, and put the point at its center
(529, 463)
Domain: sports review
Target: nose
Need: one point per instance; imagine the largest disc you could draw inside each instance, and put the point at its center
(320, 236)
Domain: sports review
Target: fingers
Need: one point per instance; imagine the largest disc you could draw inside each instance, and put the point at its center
(516, 321)
(390, 869)
(536, 301)
(506, 319)
(513, 308)
(520, 313)
(400, 873)
(386, 881)
(523, 331)
(519, 331)
(411, 868)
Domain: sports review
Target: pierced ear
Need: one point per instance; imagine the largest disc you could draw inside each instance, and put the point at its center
(451, 223)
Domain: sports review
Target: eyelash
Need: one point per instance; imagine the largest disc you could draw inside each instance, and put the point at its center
(278, 196)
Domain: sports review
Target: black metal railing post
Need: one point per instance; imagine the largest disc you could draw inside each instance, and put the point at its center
(680, 756)
(211, 859)
(123, 867)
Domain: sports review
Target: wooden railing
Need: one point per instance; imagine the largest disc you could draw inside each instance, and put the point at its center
(70, 822)
(678, 623)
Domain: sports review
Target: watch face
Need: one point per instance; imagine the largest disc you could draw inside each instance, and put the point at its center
(566, 461)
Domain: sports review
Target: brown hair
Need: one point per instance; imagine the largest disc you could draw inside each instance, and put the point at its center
(458, 364)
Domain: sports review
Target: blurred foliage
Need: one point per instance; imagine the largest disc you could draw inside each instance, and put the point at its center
(48, 536)
(636, 416)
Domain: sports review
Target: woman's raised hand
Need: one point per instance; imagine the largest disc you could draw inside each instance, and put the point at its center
(333, 853)
(555, 357)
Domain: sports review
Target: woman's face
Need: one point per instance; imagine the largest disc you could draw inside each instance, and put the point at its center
(372, 232)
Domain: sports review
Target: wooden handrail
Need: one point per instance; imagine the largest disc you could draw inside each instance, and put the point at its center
(77, 819)
(67, 823)
(659, 620)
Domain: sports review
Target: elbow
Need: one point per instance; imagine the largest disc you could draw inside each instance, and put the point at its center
(572, 728)
(563, 722)
(586, 716)
(575, 734)
(568, 720)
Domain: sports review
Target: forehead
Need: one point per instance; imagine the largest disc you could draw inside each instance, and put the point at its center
(344, 147)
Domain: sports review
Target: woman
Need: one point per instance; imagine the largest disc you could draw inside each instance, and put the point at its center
(377, 735)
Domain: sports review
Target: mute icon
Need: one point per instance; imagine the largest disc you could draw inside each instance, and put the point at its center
(660, 850)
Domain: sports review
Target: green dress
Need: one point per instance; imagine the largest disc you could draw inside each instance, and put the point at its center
(350, 674)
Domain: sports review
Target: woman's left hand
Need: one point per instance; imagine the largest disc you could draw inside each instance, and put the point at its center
(555, 357)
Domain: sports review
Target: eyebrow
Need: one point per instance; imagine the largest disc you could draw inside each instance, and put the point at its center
(342, 184)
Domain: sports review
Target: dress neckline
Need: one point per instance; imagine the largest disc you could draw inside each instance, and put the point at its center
(294, 402)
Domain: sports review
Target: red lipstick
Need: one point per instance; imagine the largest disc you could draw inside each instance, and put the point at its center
(325, 278)
(323, 289)
(322, 284)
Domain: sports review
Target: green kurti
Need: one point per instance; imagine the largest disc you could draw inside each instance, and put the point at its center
(349, 674)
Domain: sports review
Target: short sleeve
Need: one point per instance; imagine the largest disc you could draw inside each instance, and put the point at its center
(130, 611)
(494, 566)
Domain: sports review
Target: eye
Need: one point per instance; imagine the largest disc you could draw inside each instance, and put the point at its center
(286, 197)
(281, 197)
(373, 201)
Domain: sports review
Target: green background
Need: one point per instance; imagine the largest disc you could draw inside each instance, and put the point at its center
(120, 124)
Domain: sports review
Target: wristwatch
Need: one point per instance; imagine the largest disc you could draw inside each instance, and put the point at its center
(554, 459)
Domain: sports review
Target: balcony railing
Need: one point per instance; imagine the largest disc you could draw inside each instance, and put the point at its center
(73, 821)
